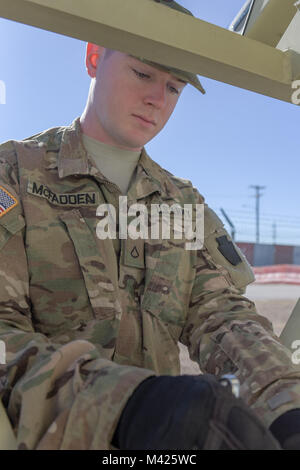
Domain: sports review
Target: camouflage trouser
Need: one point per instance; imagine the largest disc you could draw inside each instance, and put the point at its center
(71, 400)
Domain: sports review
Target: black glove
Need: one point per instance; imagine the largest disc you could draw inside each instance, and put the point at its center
(286, 429)
(188, 413)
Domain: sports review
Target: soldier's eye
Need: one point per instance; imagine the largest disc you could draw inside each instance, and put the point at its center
(174, 90)
(141, 74)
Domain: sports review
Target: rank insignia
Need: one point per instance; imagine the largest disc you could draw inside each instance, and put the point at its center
(7, 201)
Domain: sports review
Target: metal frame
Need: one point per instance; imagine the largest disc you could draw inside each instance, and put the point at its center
(163, 35)
(291, 329)
(272, 22)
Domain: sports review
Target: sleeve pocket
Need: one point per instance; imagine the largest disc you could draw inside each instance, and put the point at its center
(10, 224)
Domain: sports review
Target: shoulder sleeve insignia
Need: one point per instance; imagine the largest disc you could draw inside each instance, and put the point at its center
(228, 250)
(7, 201)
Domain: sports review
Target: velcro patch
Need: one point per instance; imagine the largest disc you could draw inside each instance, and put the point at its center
(279, 399)
(7, 201)
(228, 250)
(75, 199)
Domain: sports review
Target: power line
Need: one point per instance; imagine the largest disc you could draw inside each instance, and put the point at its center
(263, 222)
(283, 233)
(268, 226)
(264, 214)
(269, 216)
(266, 220)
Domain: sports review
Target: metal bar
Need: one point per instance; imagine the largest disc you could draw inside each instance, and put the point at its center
(291, 331)
(272, 22)
(295, 63)
(163, 35)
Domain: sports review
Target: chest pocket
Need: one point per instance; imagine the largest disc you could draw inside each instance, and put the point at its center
(96, 259)
(168, 282)
(164, 304)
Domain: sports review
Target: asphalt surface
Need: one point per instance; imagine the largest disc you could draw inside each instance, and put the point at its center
(272, 291)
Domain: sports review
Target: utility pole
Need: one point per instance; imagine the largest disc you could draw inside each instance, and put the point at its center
(257, 196)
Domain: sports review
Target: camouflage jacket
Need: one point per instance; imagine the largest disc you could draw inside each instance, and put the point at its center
(86, 320)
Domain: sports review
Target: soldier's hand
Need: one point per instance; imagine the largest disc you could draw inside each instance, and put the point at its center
(189, 413)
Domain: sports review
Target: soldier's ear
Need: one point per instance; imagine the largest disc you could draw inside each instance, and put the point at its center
(93, 54)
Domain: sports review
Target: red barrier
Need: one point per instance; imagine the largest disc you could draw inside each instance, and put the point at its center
(277, 274)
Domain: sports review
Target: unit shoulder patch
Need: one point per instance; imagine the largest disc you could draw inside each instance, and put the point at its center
(228, 250)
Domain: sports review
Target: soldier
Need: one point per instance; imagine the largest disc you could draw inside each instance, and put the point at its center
(91, 325)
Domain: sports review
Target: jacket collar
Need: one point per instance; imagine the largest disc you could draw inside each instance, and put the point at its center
(74, 160)
(72, 157)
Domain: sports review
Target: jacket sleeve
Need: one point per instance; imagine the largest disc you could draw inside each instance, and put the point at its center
(225, 334)
(58, 396)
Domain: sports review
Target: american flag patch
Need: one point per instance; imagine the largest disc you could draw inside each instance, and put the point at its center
(7, 201)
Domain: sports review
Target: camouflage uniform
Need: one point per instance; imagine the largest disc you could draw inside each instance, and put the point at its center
(86, 320)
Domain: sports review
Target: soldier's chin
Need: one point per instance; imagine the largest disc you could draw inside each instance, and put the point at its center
(144, 138)
(138, 141)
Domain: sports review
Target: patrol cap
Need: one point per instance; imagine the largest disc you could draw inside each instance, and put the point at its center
(181, 74)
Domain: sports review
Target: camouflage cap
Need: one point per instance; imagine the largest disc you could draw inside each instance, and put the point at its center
(181, 74)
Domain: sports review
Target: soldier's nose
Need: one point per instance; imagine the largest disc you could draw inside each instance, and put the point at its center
(157, 96)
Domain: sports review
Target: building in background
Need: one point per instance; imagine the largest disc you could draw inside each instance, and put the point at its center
(259, 254)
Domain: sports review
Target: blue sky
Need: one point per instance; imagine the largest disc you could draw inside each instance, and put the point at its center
(223, 142)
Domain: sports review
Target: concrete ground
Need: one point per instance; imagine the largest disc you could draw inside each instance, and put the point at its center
(274, 301)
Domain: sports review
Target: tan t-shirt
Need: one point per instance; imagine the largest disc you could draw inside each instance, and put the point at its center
(117, 165)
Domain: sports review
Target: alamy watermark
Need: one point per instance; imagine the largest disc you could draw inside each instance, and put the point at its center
(2, 92)
(2, 352)
(187, 222)
(296, 93)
